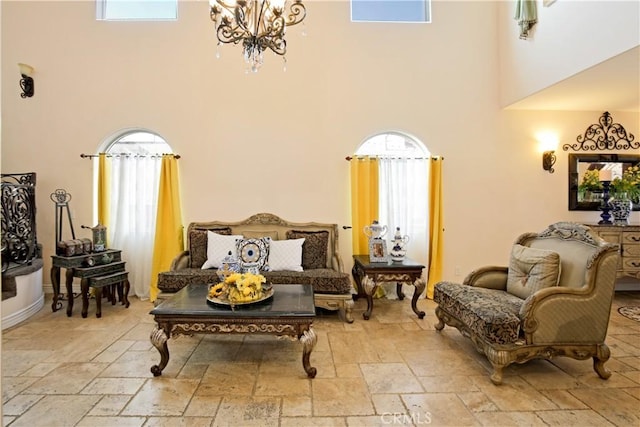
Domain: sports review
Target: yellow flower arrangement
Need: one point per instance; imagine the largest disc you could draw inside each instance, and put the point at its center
(239, 288)
(590, 181)
(628, 186)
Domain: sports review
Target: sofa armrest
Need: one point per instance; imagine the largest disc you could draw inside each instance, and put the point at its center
(490, 277)
(181, 261)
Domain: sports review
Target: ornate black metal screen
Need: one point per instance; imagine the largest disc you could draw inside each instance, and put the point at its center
(19, 240)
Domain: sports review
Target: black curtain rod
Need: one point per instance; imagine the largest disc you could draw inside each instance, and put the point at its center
(90, 156)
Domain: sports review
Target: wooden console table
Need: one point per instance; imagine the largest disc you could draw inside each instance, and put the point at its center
(368, 275)
(628, 237)
(95, 270)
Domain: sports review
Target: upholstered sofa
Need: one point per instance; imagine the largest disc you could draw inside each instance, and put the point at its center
(321, 265)
(553, 299)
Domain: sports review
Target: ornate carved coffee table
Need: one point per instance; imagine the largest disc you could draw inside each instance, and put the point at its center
(368, 275)
(289, 313)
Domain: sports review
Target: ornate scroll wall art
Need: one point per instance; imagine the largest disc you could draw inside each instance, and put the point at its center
(19, 241)
(604, 135)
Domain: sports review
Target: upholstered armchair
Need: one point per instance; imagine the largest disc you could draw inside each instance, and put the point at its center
(554, 299)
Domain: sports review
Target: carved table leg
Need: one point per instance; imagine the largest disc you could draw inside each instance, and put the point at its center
(55, 283)
(370, 287)
(357, 277)
(98, 301)
(159, 341)
(69, 284)
(125, 293)
(309, 340)
(419, 284)
(115, 293)
(84, 291)
(399, 291)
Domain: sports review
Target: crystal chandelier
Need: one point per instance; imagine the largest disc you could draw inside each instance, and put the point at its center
(258, 24)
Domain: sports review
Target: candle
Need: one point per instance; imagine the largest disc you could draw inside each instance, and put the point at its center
(605, 175)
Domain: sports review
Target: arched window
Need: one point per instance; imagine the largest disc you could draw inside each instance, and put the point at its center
(402, 188)
(140, 142)
(392, 144)
(135, 158)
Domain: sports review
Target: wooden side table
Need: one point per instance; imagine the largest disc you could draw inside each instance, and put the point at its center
(368, 275)
(96, 269)
(118, 283)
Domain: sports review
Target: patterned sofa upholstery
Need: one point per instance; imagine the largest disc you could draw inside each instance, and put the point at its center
(331, 285)
(554, 299)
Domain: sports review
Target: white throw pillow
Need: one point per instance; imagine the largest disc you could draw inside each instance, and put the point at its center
(285, 255)
(218, 247)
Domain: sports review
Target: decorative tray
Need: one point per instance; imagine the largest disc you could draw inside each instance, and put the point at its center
(267, 292)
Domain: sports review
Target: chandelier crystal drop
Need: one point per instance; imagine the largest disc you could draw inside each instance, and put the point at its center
(258, 24)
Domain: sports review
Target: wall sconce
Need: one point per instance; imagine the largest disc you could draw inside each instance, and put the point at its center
(26, 82)
(548, 141)
(548, 160)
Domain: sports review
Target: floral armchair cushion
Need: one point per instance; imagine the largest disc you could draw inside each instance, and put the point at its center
(491, 313)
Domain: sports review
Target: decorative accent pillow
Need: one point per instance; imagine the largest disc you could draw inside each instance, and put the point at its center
(531, 269)
(198, 244)
(314, 248)
(218, 247)
(256, 234)
(253, 253)
(285, 255)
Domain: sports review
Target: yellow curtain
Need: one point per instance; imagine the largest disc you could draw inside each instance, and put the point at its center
(104, 177)
(169, 240)
(364, 200)
(364, 204)
(436, 225)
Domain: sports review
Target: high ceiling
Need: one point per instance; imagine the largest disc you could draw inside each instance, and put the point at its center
(613, 85)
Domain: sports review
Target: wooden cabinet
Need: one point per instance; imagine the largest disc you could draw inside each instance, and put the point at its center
(628, 237)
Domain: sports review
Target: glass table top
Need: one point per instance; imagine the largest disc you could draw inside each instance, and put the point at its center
(287, 300)
(405, 263)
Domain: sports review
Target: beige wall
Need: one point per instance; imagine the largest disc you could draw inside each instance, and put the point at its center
(570, 36)
(276, 141)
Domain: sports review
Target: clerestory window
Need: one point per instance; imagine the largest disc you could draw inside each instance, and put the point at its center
(136, 10)
(391, 11)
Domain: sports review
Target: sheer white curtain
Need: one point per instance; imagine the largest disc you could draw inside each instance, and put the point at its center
(404, 203)
(134, 200)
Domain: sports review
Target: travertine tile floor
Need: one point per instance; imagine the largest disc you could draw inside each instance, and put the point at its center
(393, 370)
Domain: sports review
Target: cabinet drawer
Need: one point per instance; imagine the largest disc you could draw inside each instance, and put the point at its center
(631, 237)
(610, 236)
(631, 251)
(631, 264)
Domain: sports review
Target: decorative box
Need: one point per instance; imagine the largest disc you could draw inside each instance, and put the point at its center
(73, 247)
